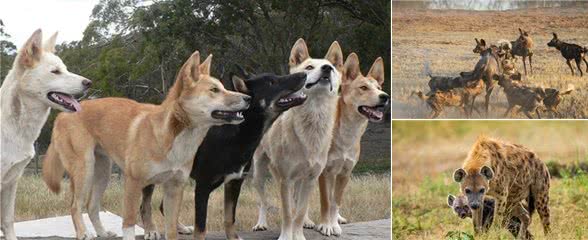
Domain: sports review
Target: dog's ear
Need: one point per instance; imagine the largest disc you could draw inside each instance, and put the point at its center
(335, 55)
(521, 31)
(487, 172)
(190, 71)
(554, 35)
(239, 84)
(483, 42)
(459, 174)
(299, 53)
(450, 200)
(477, 42)
(204, 68)
(377, 71)
(32, 50)
(49, 45)
(351, 68)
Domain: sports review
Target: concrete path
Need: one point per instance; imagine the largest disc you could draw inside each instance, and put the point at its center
(373, 230)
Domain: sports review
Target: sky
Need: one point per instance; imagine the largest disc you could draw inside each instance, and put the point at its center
(22, 17)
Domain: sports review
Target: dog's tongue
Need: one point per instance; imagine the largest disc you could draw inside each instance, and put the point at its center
(71, 101)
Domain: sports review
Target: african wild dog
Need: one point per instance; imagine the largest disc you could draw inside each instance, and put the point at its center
(460, 207)
(523, 47)
(528, 98)
(440, 83)
(462, 97)
(488, 69)
(553, 97)
(509, 173)
(570, 52)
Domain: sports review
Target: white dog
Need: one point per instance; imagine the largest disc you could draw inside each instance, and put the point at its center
(296, 146)
(37, 82)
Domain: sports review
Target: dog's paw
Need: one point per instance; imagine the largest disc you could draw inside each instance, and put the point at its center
(236, 237)
(308, 224)
(325, 229)
(107, 234)
(299, 235)
(260, 227)
(337, 230)
(341, 220)
(85, 236)
(185, 230)
(152, 235)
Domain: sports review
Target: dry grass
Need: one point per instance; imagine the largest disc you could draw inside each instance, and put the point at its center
(425, 153)
(444, 39)
(367, 198)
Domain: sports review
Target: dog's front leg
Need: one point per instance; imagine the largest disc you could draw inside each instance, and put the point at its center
(286, 187)
(172, 200)
(341, 183)
(201, 195)
(8, 197)
(328, 205)
(232, 191)
(132, 195)
(306, 185)
(146, 216)
(570, 65)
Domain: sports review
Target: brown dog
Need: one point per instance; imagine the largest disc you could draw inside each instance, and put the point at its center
(553, 97)
(152, 144)
(528, 98)
(461, 97)
(523, 47)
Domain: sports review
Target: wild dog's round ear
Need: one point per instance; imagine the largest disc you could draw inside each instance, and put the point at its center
(487, 172)
(459, 174)
(335, 55)
(555, 35)
(377, 71)
(483, 42)
(239, 84)
(32, 50)
(299, 53)
(49, 44)
(351, 68)
(477, 41)
(450, 200)
(521, 31)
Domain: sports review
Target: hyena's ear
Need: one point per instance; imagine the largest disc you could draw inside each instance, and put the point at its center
(351, 68)
(459, 174)
(555, 35)
(377, 71)
(450, 200)
(32, 50)
(49, 45)
(205, 66)
(299, 53)
(487, 172)
(239, 84)
(335, 55)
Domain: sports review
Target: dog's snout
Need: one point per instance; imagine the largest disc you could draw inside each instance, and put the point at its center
(86, 83)
(475, 206)
(247, 99)
(384, 98)
(326, 68)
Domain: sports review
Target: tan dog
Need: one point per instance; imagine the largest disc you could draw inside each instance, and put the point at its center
(297, 144)
(361, 100)
(152, 144)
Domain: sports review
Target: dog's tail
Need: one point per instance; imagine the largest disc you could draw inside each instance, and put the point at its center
(52, 170)
(420, 95)
(567, 91)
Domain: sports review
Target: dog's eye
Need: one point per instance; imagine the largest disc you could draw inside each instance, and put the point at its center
(363, 88)
(309, 67)
(215, 90)
(56, 71)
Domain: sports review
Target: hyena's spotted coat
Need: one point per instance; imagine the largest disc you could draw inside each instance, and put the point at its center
(510, 173)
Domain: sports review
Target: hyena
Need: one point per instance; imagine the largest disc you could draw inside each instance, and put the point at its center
(509, 173)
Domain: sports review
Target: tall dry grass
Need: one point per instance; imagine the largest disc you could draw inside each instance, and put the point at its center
(444, 39)
(367, 198)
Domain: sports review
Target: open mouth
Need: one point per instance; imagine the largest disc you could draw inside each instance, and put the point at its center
(228, 116)
(323, 79)
(292, 100)
(65, 100)
(374, 114)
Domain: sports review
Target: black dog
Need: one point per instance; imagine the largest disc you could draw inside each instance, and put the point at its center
(570, 51)
(226, 152)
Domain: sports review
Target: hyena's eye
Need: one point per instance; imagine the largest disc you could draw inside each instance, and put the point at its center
(309, 67)
(468, 191)
(56, 71)
(482, 190)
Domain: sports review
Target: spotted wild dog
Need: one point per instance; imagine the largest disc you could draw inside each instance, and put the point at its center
(461, 97)
(522, 47)
(570, 52)
(509, 173)
(528, 98)
(442, 83)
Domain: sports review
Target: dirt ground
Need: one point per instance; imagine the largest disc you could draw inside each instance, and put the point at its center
(444, 40)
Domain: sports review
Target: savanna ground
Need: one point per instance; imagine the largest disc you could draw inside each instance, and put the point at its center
(425, 154)
(444, 40)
